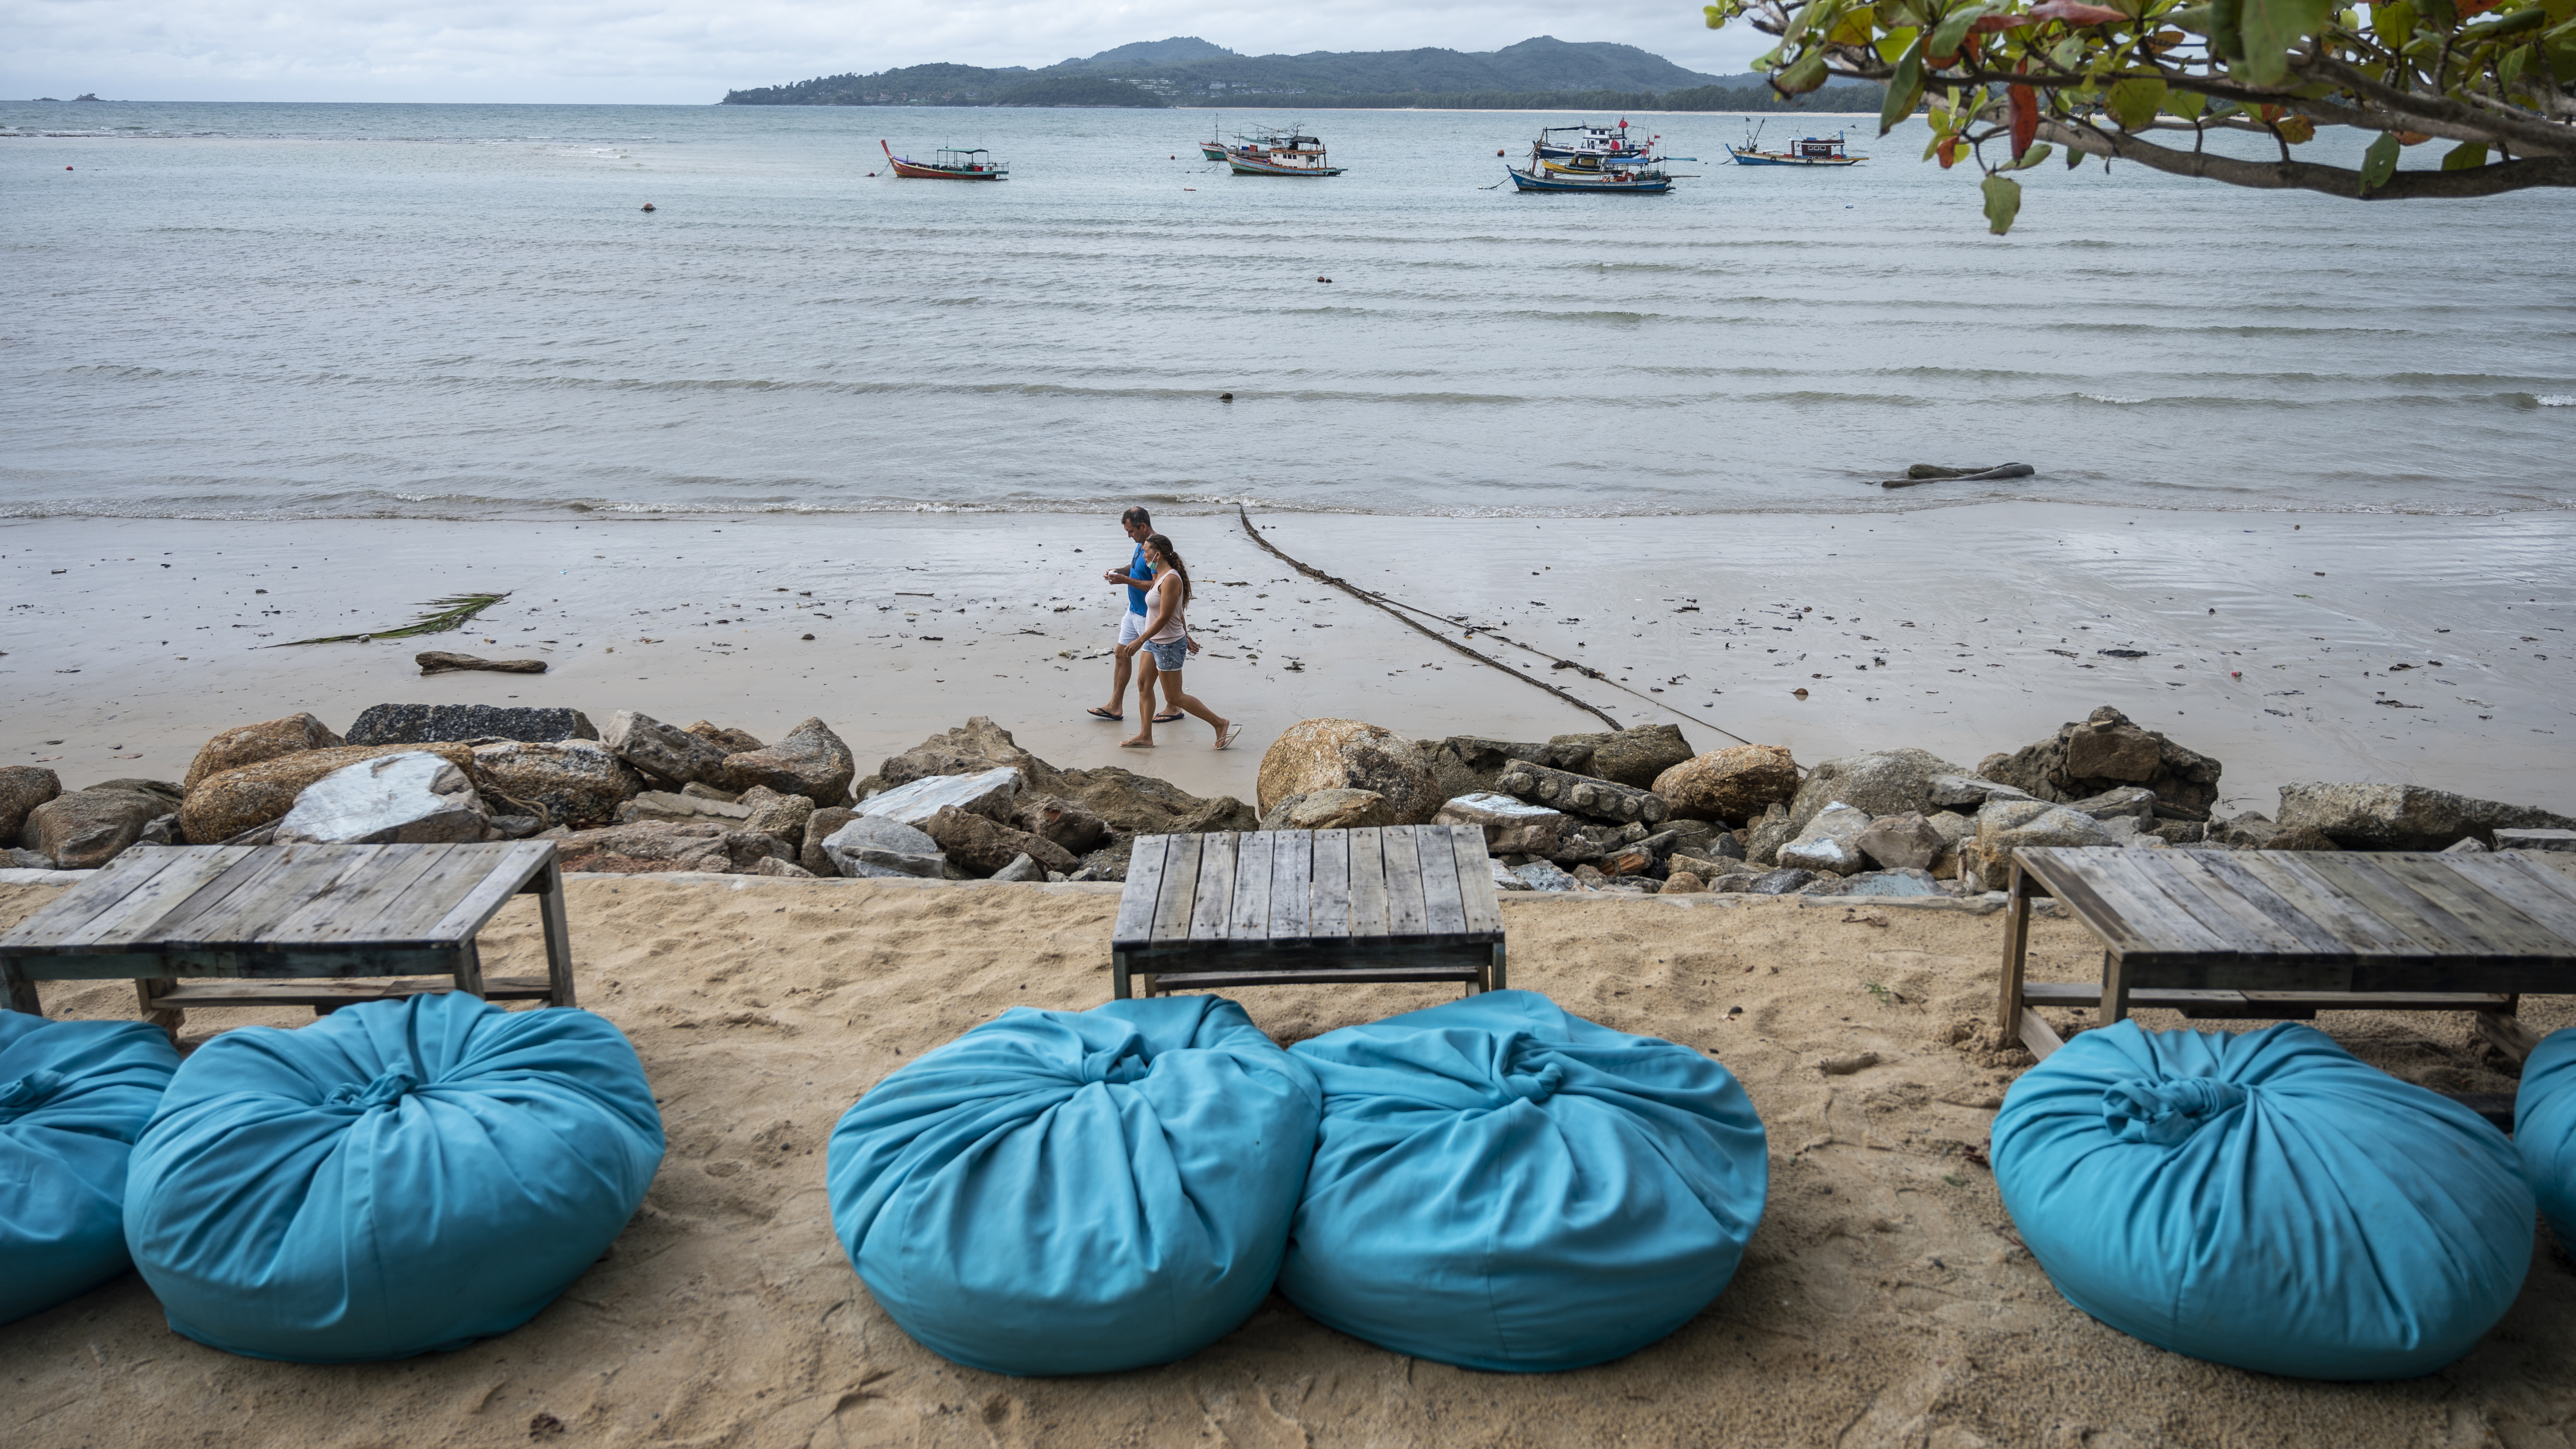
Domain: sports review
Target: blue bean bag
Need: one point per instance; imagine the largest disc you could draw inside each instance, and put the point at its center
(1504, 1185)
(2264, 1200)
(1061, 1192)
(2544, 1130)
(395, 1178)
(73, 1097)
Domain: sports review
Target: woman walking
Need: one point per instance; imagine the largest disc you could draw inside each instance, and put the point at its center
(1165, 642)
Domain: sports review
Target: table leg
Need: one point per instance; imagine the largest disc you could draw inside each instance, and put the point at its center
(469, 969)
(550, 911)
(2115, 989)
(1495, 980)
(1118, 976)
(2016, 956)
(22, 992)
(148, 991)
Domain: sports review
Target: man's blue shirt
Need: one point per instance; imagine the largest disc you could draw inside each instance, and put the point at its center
(1137, 568)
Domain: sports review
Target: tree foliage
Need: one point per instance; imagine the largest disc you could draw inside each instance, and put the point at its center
(2131, 79)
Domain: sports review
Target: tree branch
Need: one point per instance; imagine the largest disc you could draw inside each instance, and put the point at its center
(2530, 134)
(2491, 180)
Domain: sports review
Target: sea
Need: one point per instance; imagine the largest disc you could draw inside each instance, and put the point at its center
(247, 311)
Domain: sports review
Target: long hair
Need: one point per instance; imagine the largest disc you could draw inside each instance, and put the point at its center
(1163, 546)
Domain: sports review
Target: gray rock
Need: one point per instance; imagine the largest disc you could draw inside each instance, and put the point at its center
(989, 794)
(1774, 882)
(818, 829)
(1969, 791)
(2105, 750)
(1711, 869)
(1831, 841)
(162, 831)
(1633, 756)
(2132, 800)
(1467, 765)
(1512, 827)
(655, 845)
(1765, 836)
(775, 814)
(2252, 830)
(1336, 809)
(405, 799)
(516, 827)
(2404, 817)
(665, 752)
(1902, 842)
(2007, 825)
(569, 782)
(1022, 867)
(701, 790)
(875, 845)
(979, 845)
(22, 789)
(1882, 782)
(2526, 839)
(168, 794)
(663, 805)
(1598, 798)
(1891, 883)
(1538, 875)
(1074, 826)
(16, 859)
(85, 829)
(2177, 832)
(1506, 878)
(415, 724)
(726, 738)
(809, 760)
(775, 866)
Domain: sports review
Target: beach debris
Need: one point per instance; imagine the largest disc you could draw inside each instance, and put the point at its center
(452, 612)
(413, 798)
(2122, 653)
(1922, 473)
(405, 724)
(437, 661)
(648, 206)
(1220, 397)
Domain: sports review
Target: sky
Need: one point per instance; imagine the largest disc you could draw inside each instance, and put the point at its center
(690, 52)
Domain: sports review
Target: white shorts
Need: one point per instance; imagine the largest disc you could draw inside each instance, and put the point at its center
(1131, 626)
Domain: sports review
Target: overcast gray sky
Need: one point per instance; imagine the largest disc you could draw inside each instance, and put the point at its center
(692, 51)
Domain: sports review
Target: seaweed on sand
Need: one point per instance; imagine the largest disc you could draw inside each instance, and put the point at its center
(448, 613)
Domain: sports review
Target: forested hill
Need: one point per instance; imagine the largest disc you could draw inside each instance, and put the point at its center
(1186, 70)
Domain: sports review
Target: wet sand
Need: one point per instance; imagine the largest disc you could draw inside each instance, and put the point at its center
(2430, 650)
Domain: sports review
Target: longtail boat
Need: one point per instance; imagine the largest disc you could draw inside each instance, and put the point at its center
(972, 164)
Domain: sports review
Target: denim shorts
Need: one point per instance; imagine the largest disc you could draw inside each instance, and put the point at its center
(1169, 658)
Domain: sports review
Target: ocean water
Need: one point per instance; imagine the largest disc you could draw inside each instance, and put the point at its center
(251, 311)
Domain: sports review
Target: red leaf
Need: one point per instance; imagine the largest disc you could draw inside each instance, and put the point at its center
(1949, 152)
(2075, 12)
(1994, 24)
(2025, 118)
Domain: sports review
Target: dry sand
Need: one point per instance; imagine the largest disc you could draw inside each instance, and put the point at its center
(1885, 1300)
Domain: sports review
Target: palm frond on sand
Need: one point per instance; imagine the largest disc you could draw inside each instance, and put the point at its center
(448, 613)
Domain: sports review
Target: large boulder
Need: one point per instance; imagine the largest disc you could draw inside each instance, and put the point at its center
(1735, 783)
(656, 846)
(973, 748)
(726, 738)
(1076, 827)
(1882, 782)
(1124, 800)
(575, 783)
(1468, 765)
(810, 761)
(989, 794)
(2004, 826)
(1511, 827)
(664, 752)
(86, 828)
(22, 789)
(2404, 817)
(775, 814)
(1903, 842)
(1831, 841)
(874, 845)
(2102, 752)
(251, 743)
(1346, 754)
(1633, 756)
(413, 724)
(980, 845)
(224, 805)
(414, 798)
(825, 821)
(1329, 810)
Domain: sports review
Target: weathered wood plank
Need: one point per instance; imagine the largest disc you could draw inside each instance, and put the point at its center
(244, 875)
(2089, 993)
(93, 907)
(1249, 917)
(1219, 980)
(1404, 909)
(1173, 908)
(519, 862)
(2432, 929)
(2174, 914)
(1444, 900)
(295, 875)
(2222, 878)
(356, 907)
(1292, 880)
(184, 871)
(1477, 893)
(2541, 894)
(2221, 910)
(1328, 908)
(1216, 888)
(1135, 923)
(1368, 882)
(2096, 890)
(2368, 936)
(2488, 914)
(335, 994)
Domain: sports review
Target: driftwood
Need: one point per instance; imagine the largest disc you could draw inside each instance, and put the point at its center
(1933, 472)
(1601, 799)
(437, 662)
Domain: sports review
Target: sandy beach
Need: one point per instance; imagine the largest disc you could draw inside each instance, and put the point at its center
(2432, 651)
(1885, 1299)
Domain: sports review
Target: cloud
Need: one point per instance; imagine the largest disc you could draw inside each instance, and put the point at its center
(692, 51)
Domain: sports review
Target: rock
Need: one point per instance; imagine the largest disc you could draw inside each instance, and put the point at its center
(731, 741)
(249, 744)
(1633, 757)
(1709, 869)
(1831, 841)
(516, 827)
(1122, 799)
(414, 798)
(1507, 879)
(975, 748)
(231, 802)
(2468, 845)
(1765, 837)
(163, 790)
(1468, 765)
(413, 724)
(989, 794)
(1075, 827)
(22, 789)
(16, 859)
(1683, 883)
(1144, 805)
(85, 829)
(1342, 754)
(663, 805)
(1511, 827)
(980, 845)
(1776, 882)
(775, 814)
(663, 752)
(1574, 850)
(1891, 883)
(1951, 826)
(2005, 826)
(436, 661)
(773, 865)
(818, 829)
(1882, 782)
(699, 790)
(667, 846)
(2135, 801)
(2252, 830)
(1969, 791)
(164, 830)
(1902, 842)
(2102, 751)
(1587, 794)
(810, 761)
(2404, 817)
(2509, 838)
(1696, 836)
(1109, 862)
(1022, 867)
(1329, 810)
(1538, 875)
(876, 845)
(1735, 783)
(2177, 832)
(569, 782)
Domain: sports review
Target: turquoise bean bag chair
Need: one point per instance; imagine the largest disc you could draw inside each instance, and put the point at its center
(1066, 1192)
(395, 1178)
(73, 1097)
(2264, 1200)
(1503, 1185)
(2544, 1130)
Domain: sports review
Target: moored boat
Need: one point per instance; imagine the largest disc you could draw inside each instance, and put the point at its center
(1640, 179)
(1555, 142)
(1805, 151)
(1286, 154)
(950, 163)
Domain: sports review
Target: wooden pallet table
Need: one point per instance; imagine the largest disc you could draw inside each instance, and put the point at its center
(1273, 908)
(2281, 934)
(291, 925)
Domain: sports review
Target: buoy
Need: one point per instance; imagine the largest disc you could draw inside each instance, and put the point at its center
(67, 168)
(1176, 156)
(1225, 397)
(1323, 279)
(648, 206)
(1498, 150)
(872, 173)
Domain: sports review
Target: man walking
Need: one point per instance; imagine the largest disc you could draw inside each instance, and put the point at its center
(1131, 620)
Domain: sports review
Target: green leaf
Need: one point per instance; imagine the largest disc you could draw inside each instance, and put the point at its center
(2491, 26)
(2039, 151)
(2227, 28)
(1904, 89)
(2393, 22)
(1944, 46)
(2466, 156)
(2003, 203)
(2271, 27)
(2186, 104)
(1805, 76)
(1891, 46)
(2441, 15)
(2074, 158)
(2134, 102)
(2379, 163)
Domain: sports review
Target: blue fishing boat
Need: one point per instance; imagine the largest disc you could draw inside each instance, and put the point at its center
(1616, 181)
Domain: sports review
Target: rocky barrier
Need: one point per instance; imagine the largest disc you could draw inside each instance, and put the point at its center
(1634, 811)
